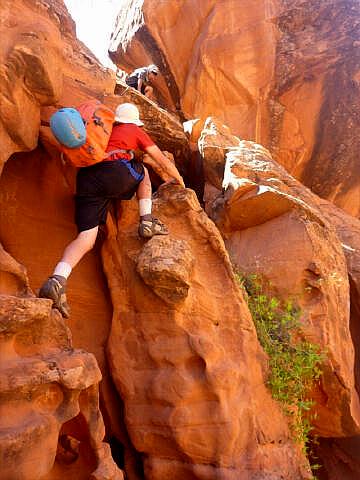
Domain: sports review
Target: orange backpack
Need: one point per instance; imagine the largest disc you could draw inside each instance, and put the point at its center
(98, 121)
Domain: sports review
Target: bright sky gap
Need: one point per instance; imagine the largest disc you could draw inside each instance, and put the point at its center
(95, 20)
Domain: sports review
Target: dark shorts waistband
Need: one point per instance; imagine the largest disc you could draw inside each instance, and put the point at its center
(118, 156)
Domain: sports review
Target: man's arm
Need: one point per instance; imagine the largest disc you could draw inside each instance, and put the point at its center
(139, 84)
(142, 78)
(164, 165)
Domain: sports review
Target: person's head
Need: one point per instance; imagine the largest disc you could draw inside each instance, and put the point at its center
(153, 70)
(128, 113)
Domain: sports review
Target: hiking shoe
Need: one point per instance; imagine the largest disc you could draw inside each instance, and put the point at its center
(54, 289)
(149, 228)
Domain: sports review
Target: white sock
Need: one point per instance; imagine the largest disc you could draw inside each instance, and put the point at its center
(145, 205)
(63, 269)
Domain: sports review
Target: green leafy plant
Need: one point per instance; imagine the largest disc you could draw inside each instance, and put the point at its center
(295, 363)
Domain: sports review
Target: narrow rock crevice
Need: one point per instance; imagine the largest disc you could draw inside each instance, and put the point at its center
(160, 59)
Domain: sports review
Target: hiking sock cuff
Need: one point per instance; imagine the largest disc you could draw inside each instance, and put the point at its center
(60, 279)
(63, 269)
(145, 206)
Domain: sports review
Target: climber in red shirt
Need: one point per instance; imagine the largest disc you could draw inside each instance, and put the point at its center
(118, 176)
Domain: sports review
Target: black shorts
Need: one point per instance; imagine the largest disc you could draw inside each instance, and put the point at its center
(97, 185)
(133, 82)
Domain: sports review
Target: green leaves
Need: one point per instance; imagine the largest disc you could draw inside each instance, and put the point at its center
(295, 363)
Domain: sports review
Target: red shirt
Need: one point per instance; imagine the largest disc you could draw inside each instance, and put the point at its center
(128, 136)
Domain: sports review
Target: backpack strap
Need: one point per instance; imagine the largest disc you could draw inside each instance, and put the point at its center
(120, 150)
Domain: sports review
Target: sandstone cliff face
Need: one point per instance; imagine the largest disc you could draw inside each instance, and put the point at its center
(188, 382)
(49, 394)
(182, 350)
(273, 226)
(43, 64)
(283, 74)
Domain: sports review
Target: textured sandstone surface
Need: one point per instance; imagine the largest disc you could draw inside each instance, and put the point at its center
(348, 231)
(48, 389)
(43, 64)
(284, 74)
(182, 350)
(339, 458)
(36, 189)
(273, 226)
(189, 382)
(258, 196)
(170, 278)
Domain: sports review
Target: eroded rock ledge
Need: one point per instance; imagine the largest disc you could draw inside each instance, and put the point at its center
(181, 345)
(48, 390)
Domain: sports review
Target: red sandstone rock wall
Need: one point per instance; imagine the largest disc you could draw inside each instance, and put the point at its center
(182, 350)
(275, 227)
(193, 362)
(51, 425)
(284, 74)
(42, 64)
(272, 225)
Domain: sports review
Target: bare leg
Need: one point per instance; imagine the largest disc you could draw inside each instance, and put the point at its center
(54, 287)
(144, 189)
(83, 243)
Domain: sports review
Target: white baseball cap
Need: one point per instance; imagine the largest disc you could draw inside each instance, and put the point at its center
(128, 113)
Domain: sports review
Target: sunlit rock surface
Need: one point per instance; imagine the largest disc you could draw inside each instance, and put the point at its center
(183, 354)
(274, 227)
(188, 378)
(283, 74)
(269, 221)
(41, 62)
(166, 266)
